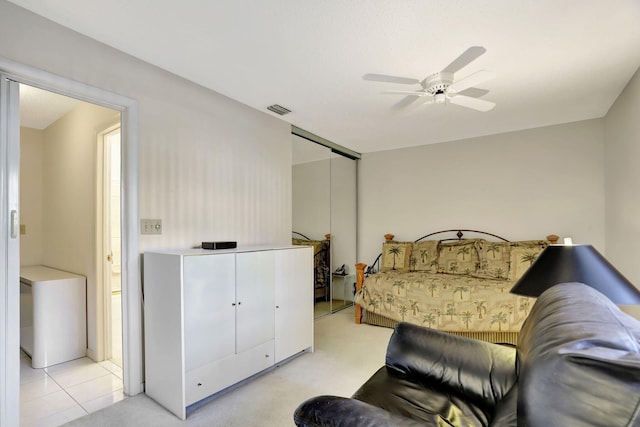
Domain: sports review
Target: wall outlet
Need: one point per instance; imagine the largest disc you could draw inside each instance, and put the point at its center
(151, 226)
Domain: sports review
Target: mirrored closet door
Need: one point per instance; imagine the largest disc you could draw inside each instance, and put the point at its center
(343, 231)
(324, 216)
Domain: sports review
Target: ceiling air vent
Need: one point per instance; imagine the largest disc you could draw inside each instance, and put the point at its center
(278, 109)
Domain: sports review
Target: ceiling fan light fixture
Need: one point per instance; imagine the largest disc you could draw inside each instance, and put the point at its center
(442, 86)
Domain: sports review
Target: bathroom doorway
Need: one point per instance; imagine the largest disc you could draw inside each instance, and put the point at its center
(12, 74)
(70, 220)
(109, 222)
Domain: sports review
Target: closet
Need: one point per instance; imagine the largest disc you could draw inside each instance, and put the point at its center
(324, 204)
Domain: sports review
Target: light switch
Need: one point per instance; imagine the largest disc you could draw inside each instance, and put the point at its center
(151, 226)
(23, 229)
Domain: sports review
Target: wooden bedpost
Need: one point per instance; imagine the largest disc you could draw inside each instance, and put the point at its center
(359, 280)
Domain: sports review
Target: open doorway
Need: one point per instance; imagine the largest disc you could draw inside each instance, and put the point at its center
(64, 191)
(109, 222)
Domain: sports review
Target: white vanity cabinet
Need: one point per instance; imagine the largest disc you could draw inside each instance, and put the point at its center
(214, 318)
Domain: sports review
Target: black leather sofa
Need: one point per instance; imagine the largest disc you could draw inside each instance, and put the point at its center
(577, 363)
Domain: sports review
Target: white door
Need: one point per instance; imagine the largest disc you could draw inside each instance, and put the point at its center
(294, 301)
(254, 294)
(9, 253)
(209, 314)
(111, 241)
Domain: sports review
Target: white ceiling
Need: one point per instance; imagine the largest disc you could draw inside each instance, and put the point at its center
(555, 61)
(40, 108)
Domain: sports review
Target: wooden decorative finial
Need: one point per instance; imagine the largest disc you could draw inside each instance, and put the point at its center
(388, 237)
(553, 239)
(360, 267)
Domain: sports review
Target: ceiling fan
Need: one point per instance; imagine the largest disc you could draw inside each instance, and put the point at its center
(442, 87)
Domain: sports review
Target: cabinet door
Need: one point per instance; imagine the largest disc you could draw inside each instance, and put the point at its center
(254, 294)
(294, 301)
(209, 308)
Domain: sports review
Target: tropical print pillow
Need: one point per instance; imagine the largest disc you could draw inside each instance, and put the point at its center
(424, 256)
(523, 254)
(459, 257)
(495, 259)
(395, 256)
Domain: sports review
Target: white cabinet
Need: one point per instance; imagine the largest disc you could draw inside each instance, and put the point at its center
(255, 306)
(293, 302)
(214, 318)
(53, 314)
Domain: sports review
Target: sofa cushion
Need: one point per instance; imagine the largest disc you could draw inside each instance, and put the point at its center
(336, 411)
(482, 372)
(578, 361)
(506, 414)
(408, 396)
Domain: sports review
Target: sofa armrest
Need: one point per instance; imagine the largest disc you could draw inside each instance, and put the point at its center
(478, 370)
(334, 411)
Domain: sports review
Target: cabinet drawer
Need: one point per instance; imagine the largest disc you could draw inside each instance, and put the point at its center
(215, 376)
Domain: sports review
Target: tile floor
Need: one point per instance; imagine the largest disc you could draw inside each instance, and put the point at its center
(57, 394)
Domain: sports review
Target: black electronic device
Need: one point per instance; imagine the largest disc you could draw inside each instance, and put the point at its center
(219, 245)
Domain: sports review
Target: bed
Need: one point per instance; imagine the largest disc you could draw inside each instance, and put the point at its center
(321, 263)
(457, 281)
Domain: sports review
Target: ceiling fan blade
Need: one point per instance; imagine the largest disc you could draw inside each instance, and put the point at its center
(472, 80)
(418, 107)
(390, 79)
(473, 92)
(474, 103)
(405, 102)
(405, 92)
(467, 56)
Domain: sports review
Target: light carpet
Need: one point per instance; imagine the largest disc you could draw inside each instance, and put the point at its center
(345, 356)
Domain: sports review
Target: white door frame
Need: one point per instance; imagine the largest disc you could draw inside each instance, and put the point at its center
(9, 254)
(9, 258)
(103, 241)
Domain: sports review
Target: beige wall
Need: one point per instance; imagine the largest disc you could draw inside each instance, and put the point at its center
(69, 206)
(622, 127)
(70, 150)
(521, 185)
(31, 196)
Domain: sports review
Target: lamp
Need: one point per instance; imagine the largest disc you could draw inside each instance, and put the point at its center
(576, 263)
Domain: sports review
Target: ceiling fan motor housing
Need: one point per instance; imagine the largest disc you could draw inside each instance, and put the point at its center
(438, 82)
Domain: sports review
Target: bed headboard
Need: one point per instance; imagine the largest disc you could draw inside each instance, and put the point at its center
(443, 236)
(296, 235)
